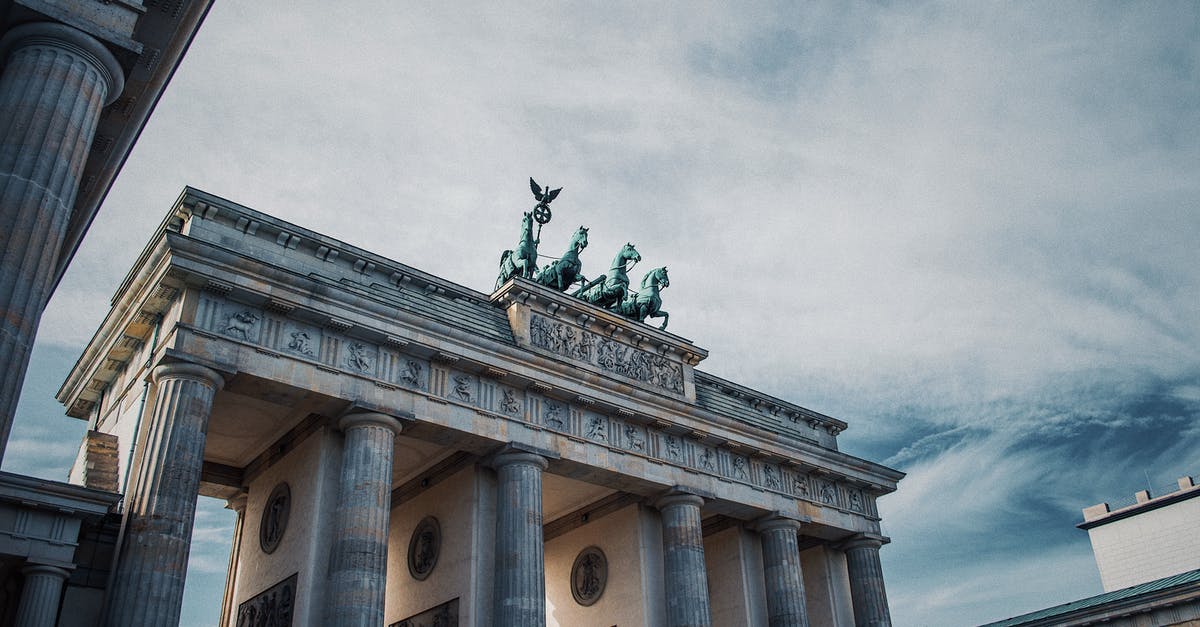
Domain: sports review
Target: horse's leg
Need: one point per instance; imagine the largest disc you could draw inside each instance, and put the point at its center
(664, 315)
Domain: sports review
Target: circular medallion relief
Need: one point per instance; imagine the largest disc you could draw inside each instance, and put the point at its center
(589, 574)
(424, 547)
(275, 518)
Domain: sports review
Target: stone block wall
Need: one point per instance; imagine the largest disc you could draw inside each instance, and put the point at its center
(733, 558)
(627, 548)
(311, 471)
(464, 506)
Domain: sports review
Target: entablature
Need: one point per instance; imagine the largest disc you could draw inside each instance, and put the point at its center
(282, 293)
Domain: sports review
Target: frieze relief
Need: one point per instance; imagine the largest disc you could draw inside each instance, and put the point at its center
(444, 615)
(271, 608)
(390, 366)
(510, 404)
(607, 354)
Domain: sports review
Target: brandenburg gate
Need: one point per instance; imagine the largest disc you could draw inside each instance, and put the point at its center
(404, 451)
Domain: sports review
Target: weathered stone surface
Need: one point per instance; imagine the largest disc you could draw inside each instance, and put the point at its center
(866, 582)
(100, 470)
(238, 505)
(40, 596)
(683, 557)
(54, 83)
(781, 572)
(358, 560)
(161, 503)
(520, 597)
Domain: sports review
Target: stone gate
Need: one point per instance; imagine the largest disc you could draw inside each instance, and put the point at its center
(402, 450)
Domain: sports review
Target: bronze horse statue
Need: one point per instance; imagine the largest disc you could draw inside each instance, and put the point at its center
(565, 272)
(523, 260)
(609, 290)
(647, 303)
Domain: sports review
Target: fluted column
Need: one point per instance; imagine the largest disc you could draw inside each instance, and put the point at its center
(781, 572)
(520, 586)
(40, 596)
(55, 81)
(238, 504)
(160, 508)
(683, 556)
(358, 563)
(866, 582)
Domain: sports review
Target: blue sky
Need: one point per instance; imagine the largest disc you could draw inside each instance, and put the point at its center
(967, 229)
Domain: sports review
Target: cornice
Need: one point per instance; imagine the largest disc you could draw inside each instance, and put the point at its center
(366, 309)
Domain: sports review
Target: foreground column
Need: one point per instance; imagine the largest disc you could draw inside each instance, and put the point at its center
(160, 508)
(55, 81)
(866, 582)
(520, 586)
(781, 572)
(358, 563)
(686, 580)
(40, 596)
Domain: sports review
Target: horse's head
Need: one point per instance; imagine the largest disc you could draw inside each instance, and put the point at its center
(657, 276)
(579, 240)
(629, 253)
(527, 222)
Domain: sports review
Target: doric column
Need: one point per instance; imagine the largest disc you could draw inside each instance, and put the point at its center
(683, 556)
(358, 563)
(520, 586)
(55, 81)
(40, 596)
(237, 503)
(781, 572)
(160, 507)
(866, 582)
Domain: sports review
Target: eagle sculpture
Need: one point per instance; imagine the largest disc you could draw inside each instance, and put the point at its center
(543, 196)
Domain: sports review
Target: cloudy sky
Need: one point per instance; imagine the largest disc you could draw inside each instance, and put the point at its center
(969, 231)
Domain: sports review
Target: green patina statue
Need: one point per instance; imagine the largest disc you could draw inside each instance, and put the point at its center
(647, 302)
(567, 271)
(609, 289)
(522, 261)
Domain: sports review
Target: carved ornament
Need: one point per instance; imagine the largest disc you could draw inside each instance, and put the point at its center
(275, 515)
(424, 548)
(589, 576)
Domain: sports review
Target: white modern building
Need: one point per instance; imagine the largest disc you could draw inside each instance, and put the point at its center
(1149, 561)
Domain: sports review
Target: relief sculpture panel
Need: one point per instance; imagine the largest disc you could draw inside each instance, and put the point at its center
(627, 361)
(271, 608)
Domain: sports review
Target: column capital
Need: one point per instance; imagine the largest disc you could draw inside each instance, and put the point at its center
(864, 540)
(73, 40)
(33, 568)
(675, 496)
(509, 457)
(237, 502)
(184, 370)
(369, 419)
(773, 522)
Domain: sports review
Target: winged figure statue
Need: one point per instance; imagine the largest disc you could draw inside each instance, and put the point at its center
(543, 196)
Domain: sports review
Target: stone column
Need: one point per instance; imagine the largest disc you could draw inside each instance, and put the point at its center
(358, 559)
(55, 81)
(685, 578)
(238, 504)
(40, 596)
(781, 572)
(520, 586)
(866, 582)
(160, 507)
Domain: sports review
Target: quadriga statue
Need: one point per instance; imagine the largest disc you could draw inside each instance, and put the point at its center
(647, 302)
